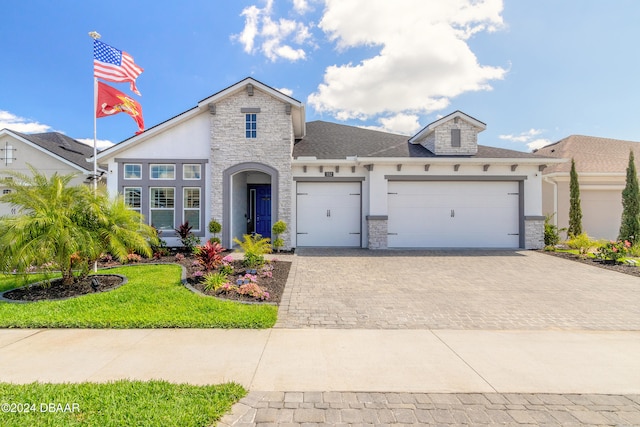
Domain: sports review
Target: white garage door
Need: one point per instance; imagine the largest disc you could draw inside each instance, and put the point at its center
(445, 214)
(328, 213)
(601, 213)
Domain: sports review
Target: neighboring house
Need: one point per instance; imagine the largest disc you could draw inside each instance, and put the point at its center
(245, 157)
(601, 164)
(48, 153)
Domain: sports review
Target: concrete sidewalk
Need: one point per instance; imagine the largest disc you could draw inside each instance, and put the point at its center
(426, 361)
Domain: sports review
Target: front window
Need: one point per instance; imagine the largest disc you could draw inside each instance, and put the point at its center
(163, 172)
(191, 172)
(192, 207)
(133, 198)
(132, 171)
(162, 206)
(251, 121)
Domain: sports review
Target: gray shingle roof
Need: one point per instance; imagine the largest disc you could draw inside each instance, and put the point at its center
(591, 154)
(62, 146)
(326, 140)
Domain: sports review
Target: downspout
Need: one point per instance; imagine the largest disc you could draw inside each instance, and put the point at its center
(555, 199)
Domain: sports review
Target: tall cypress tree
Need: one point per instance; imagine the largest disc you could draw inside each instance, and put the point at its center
(575, 211)
(630, 221)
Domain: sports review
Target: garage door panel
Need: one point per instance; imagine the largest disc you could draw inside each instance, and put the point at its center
(601, 213)
(453, 214)
(328, 213)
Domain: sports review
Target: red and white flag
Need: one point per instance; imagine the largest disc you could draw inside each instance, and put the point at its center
(111, 101)
(114, 65)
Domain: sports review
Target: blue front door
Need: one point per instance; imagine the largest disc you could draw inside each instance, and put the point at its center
(260, 209)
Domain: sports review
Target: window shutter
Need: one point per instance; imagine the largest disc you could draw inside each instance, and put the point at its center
(455, 137)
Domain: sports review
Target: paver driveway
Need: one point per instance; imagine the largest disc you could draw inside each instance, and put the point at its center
(358, 288)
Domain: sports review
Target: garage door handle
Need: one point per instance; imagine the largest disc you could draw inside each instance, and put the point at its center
(453, 213)
(354, 233)
(302, 233)
(392, 234)
(513, 234)
(328, 212)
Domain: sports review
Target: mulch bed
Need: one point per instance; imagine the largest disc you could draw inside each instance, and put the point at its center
(54, 289)
(274, 285)
(620, 268)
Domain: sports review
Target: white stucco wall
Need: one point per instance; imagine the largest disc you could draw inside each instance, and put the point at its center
(41, 160)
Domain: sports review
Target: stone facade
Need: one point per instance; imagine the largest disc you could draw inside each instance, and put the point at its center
(377, 231)
(439, 141)
(272, 147)
(534, 232)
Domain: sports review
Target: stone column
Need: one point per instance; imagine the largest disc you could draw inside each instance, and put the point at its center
(377, 230)
(534, 232)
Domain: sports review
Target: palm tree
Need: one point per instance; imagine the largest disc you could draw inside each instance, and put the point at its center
(64, 224)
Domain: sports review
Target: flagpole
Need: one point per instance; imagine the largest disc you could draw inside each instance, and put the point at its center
(94, 35)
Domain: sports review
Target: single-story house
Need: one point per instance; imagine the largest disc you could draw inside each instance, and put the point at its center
(601, 164)
(246, 157)
(48, 153)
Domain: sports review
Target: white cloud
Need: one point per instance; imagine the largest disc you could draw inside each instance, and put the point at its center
(528, 138)
(100, 143)
(20, 124)
(274, 38)
(538, 143)
(404, 124)
(286, 91)
(423, 58)
(523, 137)
(301, 6)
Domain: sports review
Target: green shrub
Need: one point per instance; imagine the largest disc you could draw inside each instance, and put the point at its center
(254, 248)
(613, 251)
(551, 234)
(215, 240)
(278, 228)
(214, 281)
(634, 250)
(226, 269)
(583, 243)
(214, 227)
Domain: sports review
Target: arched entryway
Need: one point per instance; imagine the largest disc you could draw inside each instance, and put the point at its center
(250, 200)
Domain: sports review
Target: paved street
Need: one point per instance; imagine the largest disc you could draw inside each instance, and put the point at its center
(385, 409)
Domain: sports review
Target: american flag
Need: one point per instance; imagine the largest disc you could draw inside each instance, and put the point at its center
(114, 65)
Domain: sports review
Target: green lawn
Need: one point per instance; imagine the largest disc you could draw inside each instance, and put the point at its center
(121, 403)
(152, 298)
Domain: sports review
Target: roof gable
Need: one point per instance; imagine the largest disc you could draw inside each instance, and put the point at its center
(591, 154)
(208, 104)
(60, 146)
(433, 125)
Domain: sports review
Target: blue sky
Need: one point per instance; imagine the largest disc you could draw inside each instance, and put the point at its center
(535, 71)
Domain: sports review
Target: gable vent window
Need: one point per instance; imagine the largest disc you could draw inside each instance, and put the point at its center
(455, 137)
(251, 122)
(8, 151)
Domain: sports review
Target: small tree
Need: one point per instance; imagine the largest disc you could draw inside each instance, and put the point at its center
(215, 227)
(67, 225)
(551, 235)
(630, 221)
(575, 211)
(278, 228)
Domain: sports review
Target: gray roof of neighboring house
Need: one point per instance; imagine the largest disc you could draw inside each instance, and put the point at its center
(62, 146)
(326, 140)
(591, 154)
